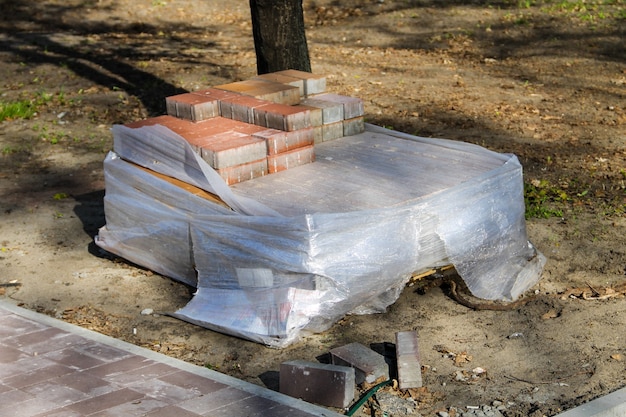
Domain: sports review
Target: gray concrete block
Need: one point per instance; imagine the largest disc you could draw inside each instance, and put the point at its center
(408, 360)
(313, 83)
(324, 384)
(352, 106)
(368, 365)
(332, 131)
(611, 405)
(353, 126)
(332, 112)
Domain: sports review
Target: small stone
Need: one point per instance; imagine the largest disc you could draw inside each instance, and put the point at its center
(147, 311)
(443, 414)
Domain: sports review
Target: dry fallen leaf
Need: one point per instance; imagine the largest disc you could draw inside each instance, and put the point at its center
(550, 315)
(617, 357)
(461, 358)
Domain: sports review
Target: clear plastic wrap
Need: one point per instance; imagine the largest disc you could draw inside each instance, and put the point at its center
(295, 251)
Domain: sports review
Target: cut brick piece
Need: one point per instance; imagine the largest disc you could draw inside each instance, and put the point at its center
(313, 84)
(276, 93)
(332, 112)
(408, 359)
(324, 384)
(231, 149)
(353, 126)
(282, 117)
(352, 106)
(291, 159)
(192, 106)
(244, 172)
(240, 107)
(283, 79)
(279, 141)
(242, 87)
(369, 366)
(332, 131)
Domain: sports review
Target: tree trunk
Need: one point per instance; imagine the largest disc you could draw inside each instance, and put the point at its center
(279, 36)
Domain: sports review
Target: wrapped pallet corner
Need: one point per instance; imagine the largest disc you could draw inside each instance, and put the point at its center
(291, 253)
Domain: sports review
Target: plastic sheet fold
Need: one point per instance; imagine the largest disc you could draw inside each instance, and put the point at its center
(293, 252)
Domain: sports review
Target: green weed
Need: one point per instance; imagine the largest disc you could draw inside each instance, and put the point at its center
(544, 200)
(22, 109)
(8, 150)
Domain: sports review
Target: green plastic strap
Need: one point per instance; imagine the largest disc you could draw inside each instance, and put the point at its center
(367, 396)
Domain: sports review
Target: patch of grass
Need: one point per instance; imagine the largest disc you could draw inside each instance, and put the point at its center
(60, 196)
(587, 11)
(543, 200)
(8, 150)
(22, 109)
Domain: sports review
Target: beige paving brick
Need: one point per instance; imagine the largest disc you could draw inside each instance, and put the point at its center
(290, 159)
(279, 141)
(244, 172)
(352, 106)
(231, 149)
(282, 117)
(313, 83)
(283, 79)
(192, 106)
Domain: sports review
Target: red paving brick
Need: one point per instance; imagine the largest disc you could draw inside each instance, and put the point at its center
(98, 376)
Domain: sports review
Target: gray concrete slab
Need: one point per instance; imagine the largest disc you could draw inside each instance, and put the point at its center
(611, 405)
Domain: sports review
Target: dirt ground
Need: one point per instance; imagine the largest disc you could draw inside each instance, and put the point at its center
(545, 80)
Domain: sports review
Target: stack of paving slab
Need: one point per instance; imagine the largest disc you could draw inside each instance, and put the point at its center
(264, 125)
(286, 212)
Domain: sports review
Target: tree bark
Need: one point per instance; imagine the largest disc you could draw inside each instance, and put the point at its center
(279, 35)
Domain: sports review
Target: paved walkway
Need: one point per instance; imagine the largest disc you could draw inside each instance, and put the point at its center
(54, 369)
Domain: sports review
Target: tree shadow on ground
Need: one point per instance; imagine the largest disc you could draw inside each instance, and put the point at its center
(104, 52)
(506, 30)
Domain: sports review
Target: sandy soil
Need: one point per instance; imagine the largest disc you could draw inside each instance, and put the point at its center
(546, 82)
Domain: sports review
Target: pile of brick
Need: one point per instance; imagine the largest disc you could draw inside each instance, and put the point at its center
(353, 364)
(263, 125)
